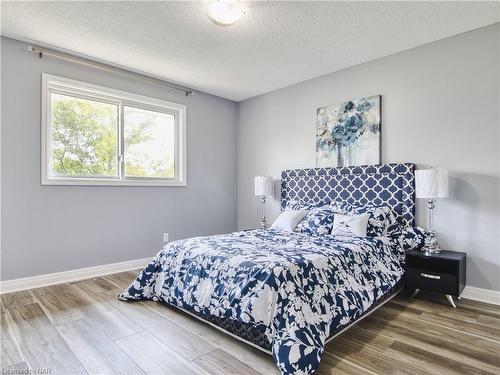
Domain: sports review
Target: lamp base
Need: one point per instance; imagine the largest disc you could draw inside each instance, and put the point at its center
(263, 223)
(430, 244)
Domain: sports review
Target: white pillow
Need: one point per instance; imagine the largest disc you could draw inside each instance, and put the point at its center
(288, 220)
(350, 225)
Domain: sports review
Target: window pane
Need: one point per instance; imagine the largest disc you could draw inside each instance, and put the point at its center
(84, 137)
(149, 143)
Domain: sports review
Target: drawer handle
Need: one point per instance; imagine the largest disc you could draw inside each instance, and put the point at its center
(429, 276)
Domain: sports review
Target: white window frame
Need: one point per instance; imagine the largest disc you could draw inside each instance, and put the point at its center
(66, 86)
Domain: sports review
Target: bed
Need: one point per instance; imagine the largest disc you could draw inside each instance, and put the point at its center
(288, 293)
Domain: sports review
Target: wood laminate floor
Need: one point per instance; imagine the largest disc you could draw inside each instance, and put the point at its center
(82, 328)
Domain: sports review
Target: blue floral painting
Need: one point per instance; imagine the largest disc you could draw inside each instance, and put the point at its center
(348, 133)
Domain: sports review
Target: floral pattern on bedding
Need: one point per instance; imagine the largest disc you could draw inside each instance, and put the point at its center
(318, 221)
(297, 286)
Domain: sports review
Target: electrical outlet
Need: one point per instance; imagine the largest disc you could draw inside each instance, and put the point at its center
(165, 237)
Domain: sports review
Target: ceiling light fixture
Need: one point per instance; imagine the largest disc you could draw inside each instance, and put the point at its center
(225, 12)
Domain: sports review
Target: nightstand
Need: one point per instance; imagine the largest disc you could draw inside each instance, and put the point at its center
(443, 272)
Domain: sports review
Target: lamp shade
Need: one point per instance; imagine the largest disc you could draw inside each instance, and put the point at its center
(431, 183)
(263, 185)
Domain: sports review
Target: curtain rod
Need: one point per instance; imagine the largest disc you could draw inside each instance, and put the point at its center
(104, 65)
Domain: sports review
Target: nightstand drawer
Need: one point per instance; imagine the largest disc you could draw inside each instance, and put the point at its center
(439, 282)
(437, 266)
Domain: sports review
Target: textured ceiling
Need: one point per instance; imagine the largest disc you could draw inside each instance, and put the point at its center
(275, 44)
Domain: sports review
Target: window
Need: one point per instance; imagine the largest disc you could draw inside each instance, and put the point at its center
(92, 135)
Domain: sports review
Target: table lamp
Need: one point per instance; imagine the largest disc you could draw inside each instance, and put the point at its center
(431, 184)
(263, 187)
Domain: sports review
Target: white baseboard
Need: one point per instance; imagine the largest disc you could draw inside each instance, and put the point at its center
(482, 295)
(38, 281)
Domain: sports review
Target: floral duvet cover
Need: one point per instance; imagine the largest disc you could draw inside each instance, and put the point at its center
(299, 287)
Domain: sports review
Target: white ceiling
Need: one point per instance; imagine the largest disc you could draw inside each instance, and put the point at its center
(275, 44)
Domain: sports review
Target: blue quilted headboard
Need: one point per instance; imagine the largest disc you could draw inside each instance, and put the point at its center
(385, 184)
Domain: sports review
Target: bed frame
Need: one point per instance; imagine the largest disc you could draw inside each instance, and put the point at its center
(386, 184)
(226, 327)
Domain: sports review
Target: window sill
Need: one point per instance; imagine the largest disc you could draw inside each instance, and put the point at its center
(108, 182)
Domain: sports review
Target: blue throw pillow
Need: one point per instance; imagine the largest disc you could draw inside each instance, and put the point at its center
(318, 221)
(341, 207)
(382, 221)
(297, 205)
(412, 238)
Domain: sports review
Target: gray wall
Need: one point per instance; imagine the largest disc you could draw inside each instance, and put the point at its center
(440, 107)
(57, 228)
